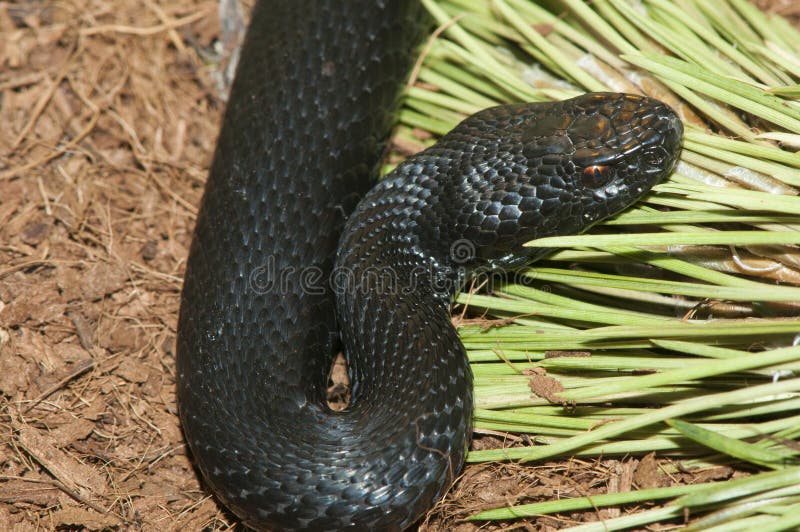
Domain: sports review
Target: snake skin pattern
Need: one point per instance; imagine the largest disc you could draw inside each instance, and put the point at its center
(294, 259)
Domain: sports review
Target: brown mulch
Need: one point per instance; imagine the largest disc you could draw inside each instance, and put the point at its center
(109, 112)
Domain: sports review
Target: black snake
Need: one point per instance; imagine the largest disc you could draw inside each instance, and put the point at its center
(262, 315)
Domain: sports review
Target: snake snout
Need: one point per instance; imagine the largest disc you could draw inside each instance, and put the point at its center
(624, 145)
(659, 145)
(672, 131)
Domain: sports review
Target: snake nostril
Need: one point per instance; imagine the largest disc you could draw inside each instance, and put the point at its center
(653, 158)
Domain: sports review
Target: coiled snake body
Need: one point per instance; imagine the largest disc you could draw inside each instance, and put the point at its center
(302, 138)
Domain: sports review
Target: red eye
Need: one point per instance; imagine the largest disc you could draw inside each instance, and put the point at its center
(596, 175)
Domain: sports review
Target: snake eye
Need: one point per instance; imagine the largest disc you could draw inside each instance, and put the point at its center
(596, 175)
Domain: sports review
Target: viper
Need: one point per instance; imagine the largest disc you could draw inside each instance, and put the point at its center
(298, 255)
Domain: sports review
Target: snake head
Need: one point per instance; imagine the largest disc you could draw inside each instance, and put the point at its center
(546, 169)
(601, 152)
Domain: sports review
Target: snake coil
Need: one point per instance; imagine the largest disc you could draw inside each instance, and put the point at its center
(294, 258)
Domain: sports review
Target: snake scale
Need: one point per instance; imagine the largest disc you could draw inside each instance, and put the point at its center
(296, 257)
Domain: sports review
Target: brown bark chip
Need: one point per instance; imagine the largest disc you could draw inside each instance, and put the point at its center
(543, 385)
(647, 474)
(77, 477)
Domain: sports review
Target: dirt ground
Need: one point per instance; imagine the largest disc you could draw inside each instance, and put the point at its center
(110, 112)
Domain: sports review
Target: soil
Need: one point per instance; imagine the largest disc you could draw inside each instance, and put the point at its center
(110, 111)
